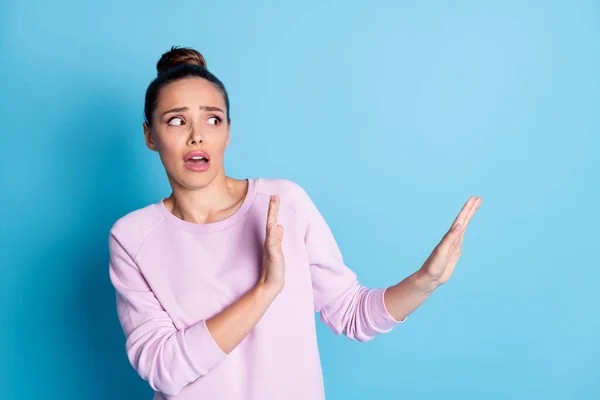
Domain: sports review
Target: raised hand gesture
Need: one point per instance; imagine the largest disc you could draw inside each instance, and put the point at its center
(440, 264)
(273, 265)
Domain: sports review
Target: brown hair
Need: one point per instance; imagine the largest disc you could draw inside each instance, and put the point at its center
(177, 56)
(176, 64)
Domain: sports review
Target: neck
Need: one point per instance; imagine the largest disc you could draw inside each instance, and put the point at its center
(200, 205)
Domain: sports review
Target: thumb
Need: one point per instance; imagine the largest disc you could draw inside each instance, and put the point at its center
(452, 234)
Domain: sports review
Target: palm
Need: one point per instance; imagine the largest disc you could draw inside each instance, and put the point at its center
(273, 263)
(442, 261)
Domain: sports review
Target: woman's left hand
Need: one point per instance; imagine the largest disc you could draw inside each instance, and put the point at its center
(440, 264)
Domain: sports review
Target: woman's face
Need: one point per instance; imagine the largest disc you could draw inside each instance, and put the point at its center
(190, 120)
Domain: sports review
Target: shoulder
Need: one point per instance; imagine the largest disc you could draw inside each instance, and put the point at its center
(130, 231)
(290, 192)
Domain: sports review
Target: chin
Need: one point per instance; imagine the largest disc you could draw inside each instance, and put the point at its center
(193, 180)
(188, 181)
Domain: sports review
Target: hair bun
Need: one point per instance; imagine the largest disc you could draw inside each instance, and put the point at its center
(178, 56)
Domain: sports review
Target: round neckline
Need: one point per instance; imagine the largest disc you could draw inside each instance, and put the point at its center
(217, 225)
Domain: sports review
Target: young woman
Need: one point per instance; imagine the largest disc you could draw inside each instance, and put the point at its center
(217, 285)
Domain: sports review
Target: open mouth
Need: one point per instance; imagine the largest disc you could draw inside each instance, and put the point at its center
(197, 160)
(197, 157)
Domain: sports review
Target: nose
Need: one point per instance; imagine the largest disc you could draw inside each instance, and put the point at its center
(196, 137)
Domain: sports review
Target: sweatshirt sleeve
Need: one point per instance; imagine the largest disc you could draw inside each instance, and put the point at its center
(344, 304)
(168, 358)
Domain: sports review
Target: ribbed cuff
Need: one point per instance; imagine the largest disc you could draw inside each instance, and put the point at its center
(202, 349)
(382, 317)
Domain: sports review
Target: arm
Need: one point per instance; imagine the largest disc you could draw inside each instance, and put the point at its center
(344, 304)
(168, 358)
(234, 323)
(403, 298)
(362, 313)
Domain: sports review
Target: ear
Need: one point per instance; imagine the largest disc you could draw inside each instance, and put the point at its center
(228, 134)
(148, 136)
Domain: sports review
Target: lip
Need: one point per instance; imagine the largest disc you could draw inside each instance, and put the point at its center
(196, 154)
(196, 167)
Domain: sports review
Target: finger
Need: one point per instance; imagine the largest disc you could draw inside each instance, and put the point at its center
(271, 216)
(271, 240)
(273, 210)
(279, 233)
(269, 211)
(450, 237)
(474, 209)
(276, 207)
(453, 233)
(462, 215)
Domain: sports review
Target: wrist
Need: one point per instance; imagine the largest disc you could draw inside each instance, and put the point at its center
(424, 282)
(265, 292)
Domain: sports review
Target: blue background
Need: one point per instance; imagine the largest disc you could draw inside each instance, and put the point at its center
(390, 114)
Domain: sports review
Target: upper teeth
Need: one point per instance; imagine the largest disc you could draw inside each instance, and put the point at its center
(197, 158)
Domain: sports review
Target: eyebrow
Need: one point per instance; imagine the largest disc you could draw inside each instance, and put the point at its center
(180, 109)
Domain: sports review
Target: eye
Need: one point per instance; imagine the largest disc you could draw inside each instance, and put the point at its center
(176, 121)
(214, 120)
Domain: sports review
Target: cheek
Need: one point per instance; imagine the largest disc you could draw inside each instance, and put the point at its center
(217, 153)
(167, 149)
(170, 149)
(219, 144)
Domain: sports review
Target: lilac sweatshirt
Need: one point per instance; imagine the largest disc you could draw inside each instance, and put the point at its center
(171, 275)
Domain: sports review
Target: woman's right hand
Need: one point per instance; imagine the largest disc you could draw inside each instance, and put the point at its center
(273, 266)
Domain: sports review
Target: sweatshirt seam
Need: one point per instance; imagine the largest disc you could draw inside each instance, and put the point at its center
(146, 235)
(291, 206)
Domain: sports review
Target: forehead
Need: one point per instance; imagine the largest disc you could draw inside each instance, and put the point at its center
(190, 92)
